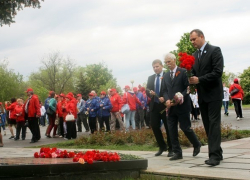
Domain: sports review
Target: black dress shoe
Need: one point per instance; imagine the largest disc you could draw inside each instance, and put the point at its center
(176, 157)
(196, 150)
(212, 162)
(160, 151)
(32, 141)
(170, 153)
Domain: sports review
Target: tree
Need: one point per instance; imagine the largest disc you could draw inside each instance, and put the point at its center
(184, 45)
(95, 77)
(12, 84)
(228, 78)
(245, 84)
(8, 9)
(55, 74)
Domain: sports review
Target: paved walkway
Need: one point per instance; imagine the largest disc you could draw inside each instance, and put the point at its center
(236, 163)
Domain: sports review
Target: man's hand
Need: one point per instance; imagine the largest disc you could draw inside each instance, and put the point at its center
(87, 109)
(37, 116)
(168, 103)
(152, 93)
(161, 99)
(193, 80)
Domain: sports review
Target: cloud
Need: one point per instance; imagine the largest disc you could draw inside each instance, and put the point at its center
(127, 35)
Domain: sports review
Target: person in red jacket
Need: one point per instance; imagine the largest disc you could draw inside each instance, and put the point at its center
(12, 117)
(32, 113)
(237, 98)
(20, 120)
(59, 113)
(71, 125)
(130, 99)
(116, 102)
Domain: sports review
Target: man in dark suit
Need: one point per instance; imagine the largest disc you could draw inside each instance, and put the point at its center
(207, 70)
(154, 91)
(175, 81)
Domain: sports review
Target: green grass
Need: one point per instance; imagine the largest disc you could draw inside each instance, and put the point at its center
(71, 145)
(244, 106)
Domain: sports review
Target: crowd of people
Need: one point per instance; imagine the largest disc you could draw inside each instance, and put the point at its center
(65, 114)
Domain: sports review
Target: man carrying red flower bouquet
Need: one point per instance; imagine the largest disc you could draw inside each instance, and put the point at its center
(207, 70)
(175, 83)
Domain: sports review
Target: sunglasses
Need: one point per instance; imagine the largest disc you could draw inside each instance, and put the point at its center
(102, 94)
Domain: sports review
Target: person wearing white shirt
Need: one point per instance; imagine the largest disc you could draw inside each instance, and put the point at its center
(43, 113)
(226, 98)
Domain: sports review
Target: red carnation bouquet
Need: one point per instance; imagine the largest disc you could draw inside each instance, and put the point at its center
(187, 62)
(81, 157)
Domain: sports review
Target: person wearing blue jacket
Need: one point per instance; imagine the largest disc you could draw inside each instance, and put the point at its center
(139, 114)
(92, 106)
(104, 111)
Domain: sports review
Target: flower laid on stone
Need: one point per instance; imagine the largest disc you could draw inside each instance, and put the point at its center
(81, 157)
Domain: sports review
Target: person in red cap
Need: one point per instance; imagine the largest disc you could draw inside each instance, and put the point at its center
(81, 116)
(139, 116)
(104, 111)
(20, 119)
(52, 115)
(92, 108)
(32, 113)
(10, 106)
(237, 97)
(116, 102)
(59, 113)
(71, 125)
(130, 98)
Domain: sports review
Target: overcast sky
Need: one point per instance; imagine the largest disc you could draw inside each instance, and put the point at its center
(125, 34)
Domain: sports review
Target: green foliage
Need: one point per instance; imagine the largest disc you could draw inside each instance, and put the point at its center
(228, 78)
(245, 84)
(9, 8)
(55, 74)
(94, 77)
(12, 84)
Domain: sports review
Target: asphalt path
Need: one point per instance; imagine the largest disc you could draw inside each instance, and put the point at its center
(243, 124)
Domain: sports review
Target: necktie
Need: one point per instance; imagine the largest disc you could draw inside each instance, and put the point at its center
(171, 75)
(157, 88)
(199, 55)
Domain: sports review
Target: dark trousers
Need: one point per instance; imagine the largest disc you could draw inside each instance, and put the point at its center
(185, 125)
(139, 118)
(82, 118)
(61, 126)
(237, 107)
(211, 117)
(42, 120)
(71, 130)
(104, 119)
(92, 124)
(147, 118)
(193, 110)
(34, 128)
(20, 126)
(155, 118)
(52, 125)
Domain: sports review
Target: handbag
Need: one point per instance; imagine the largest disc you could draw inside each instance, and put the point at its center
(125, 108)
(56, 121)
(50, 111)
(69, 117)
(234, 91)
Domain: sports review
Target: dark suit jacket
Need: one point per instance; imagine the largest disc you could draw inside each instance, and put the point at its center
(180, 84)
(209, 71)
(151, 86)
